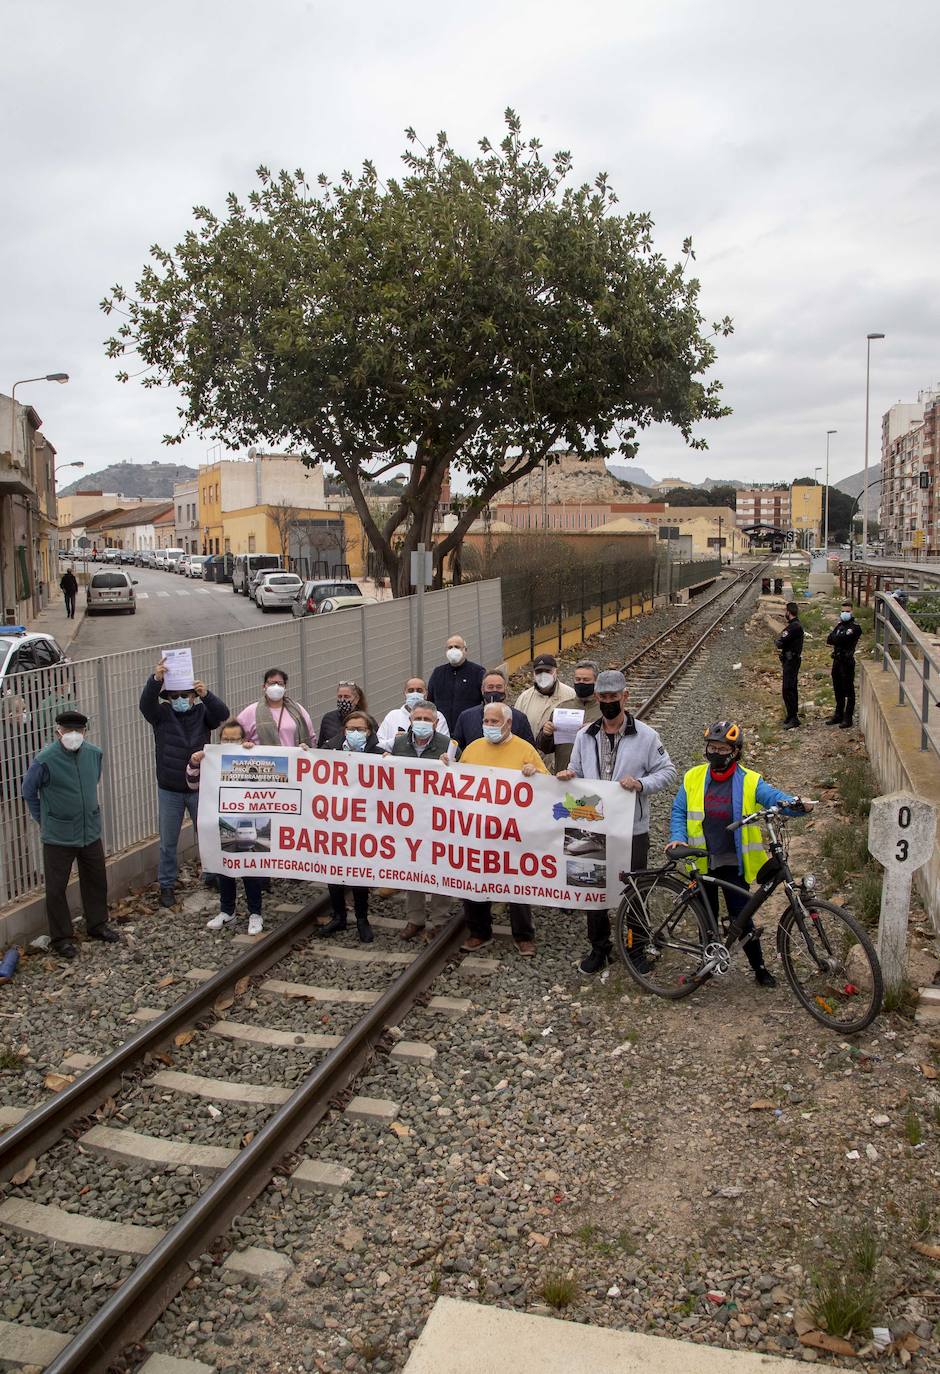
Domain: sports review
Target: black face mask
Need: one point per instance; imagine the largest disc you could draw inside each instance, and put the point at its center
(490, 697)
(584, 690)
(610, 710)
(719, 762)
(343, 707)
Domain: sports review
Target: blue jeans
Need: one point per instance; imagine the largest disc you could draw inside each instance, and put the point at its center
(173, 807)
(228, 891)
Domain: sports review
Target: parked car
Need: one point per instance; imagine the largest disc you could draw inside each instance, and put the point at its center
(275, 591)
(22, 651)
(111, 591)
(246, 565)
(127, 556)
(313, 593)
(110, 556)
(343, 603)
(195, 564)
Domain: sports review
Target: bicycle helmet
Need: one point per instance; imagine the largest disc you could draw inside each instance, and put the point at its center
(725, 732)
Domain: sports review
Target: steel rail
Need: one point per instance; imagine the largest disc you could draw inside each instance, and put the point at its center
(683, 663)
(684, 620)
(45, 1124)
(141, 1299)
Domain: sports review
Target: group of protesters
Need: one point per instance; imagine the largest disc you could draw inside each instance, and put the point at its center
(461, 712)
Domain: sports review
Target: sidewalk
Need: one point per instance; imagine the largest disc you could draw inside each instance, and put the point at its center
(53, 620)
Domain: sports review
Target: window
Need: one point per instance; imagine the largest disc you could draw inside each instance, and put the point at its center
(251, 543)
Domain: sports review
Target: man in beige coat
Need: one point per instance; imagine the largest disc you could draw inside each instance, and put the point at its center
(546, 693)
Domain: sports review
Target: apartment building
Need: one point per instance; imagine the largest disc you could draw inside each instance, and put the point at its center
(769, 505)
(27, 513)
(910, 474)
(260, 479)
(186, 517)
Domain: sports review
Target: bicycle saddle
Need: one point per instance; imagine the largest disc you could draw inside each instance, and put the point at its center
(687, 851)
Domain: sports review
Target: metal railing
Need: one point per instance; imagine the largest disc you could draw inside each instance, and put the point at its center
(374, 646)
(914, 658)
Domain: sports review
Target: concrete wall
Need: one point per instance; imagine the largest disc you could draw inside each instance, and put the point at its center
(892, 735)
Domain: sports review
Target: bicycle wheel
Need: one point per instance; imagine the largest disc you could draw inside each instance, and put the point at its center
(831, 965)
(660, 938)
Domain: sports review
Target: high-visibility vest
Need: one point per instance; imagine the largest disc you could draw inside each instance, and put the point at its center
(752, 841)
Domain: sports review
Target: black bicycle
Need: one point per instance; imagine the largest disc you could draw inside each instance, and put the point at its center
(671, 942)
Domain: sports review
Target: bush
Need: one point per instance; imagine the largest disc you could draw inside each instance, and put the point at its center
(846, 1292)
(856, 786)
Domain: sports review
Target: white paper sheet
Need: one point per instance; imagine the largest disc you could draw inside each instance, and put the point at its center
(567, 723)
(179, 670)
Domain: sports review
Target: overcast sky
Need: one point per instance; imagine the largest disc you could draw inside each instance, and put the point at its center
(797, 144)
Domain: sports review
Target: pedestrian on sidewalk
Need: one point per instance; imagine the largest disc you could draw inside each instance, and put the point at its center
(790, 648)
(182, 722)
(68, 584)
(233, 733)
(276, 718)
(61, 791)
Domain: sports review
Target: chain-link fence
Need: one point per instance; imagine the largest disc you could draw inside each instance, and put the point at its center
(374, 646)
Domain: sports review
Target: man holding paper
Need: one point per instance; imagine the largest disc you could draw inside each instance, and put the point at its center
(182, 713)
(557, 735)
(619, 748)
(546, 693)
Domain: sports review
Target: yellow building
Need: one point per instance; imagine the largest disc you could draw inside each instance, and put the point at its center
(806, 511)
(313, 542)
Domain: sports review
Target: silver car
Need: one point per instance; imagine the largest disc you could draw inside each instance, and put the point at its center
(111, 591)
(276, 590)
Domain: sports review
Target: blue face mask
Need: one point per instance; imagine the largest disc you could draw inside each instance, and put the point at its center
(412, 699)
(845, 615)
(493, 733)
(356, 739)
(422, 729)
(181, 704)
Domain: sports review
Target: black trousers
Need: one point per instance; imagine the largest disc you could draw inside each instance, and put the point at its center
(843, 684)
(70, 604)
(57, 860)
(360, 901)
(734, 902)
(598, 922)
(480, 919)
(791, 687)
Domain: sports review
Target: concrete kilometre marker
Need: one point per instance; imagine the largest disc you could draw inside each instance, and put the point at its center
(902, 832)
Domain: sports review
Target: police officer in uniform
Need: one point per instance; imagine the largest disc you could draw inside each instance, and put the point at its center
(843, 639)
(790, 647)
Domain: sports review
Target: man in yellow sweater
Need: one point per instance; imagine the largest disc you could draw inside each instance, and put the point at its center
(500, 748)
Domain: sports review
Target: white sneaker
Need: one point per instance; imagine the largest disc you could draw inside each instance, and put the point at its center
(255, 925)
(218, 922)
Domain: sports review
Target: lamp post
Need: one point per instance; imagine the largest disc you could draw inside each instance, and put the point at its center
(829, 434)
(869, 338)
(60, 377)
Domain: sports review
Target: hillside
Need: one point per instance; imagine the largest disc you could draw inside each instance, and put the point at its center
(638, 477)
(853, 485)
(153, 480)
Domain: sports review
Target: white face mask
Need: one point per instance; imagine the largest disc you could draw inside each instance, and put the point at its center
(72, 740)
(455, 657)
(412, 699)
(544, 680)
(275, 691)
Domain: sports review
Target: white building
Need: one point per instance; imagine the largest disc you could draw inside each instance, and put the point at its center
(186, 506)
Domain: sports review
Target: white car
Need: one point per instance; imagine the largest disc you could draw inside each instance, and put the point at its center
(194, 564)
(22, 652)
(276, 591)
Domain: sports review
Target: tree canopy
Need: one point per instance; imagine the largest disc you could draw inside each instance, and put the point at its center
(466, 318)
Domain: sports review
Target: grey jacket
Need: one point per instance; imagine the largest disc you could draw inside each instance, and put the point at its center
(641, 755)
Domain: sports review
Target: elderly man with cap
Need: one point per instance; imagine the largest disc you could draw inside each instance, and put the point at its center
(61, 791)
(539, 701)
(619, 748)
(182, 720)
(585, 684)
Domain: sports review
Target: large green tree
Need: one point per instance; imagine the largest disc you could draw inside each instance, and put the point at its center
(470, 317)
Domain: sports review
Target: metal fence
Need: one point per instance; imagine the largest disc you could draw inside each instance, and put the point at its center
(914, 658)
(374, 645)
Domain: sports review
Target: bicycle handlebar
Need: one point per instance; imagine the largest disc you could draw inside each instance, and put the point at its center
(804, 803)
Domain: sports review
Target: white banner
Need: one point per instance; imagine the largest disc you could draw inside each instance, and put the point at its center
(364, 820)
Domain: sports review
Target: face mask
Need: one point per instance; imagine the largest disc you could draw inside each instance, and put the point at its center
(72, 740)
(610, 710)
(274, 691)
(493, 734)
(356, 739)
(490, 697)
(845, 615)
(412, 699)
(718, 761)
(343, 706)
(455, 657)
(545, 681)
(584, 690)
(422, 729)
(181, 704)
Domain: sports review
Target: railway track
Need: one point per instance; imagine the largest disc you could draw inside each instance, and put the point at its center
(95, 1113)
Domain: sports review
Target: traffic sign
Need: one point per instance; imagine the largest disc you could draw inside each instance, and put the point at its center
(902, 833)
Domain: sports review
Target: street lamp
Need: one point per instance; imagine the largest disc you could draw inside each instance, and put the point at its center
(60, 377)
(869, 338)
(61, 466)
(829, 434)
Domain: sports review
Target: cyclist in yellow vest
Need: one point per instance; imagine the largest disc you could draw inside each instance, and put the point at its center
(712, 796)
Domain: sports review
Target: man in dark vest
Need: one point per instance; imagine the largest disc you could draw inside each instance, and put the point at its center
(790, 648)
(843, 640)
(61, 792)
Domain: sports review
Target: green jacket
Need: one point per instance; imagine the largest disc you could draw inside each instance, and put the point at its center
(61, 791)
